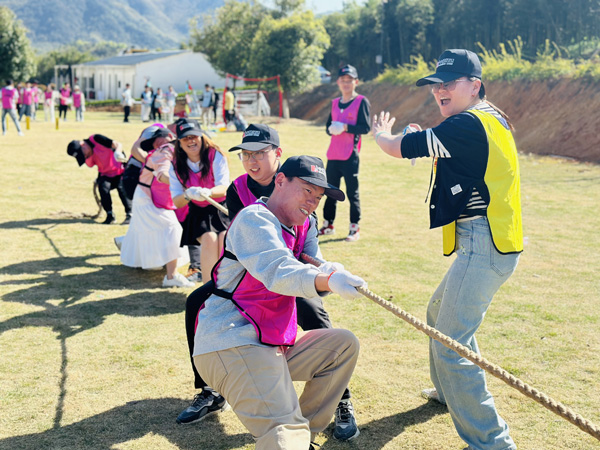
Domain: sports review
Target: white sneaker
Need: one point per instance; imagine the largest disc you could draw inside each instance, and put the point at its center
(432, 394)
(354, 233)
(21, 133)
(178, 280)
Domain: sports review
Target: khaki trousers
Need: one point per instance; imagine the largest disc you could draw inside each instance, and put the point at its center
(257, 383)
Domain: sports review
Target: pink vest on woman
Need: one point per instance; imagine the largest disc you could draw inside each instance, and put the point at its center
(8, 97)
(273, 315)
(27, 96)
(158, 192)
(341, 146)
(64, 96)
(104, 158)
(77, 99)
(195, 179)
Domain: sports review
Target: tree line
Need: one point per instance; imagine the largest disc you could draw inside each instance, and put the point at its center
(248, 38)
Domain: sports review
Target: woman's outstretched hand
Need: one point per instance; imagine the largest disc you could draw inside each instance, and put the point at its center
(382, 124)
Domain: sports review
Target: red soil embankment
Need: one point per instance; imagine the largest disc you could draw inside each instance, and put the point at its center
(551, 117)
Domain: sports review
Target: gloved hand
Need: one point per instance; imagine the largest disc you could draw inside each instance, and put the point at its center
(329, 267)
(198, 193)
(336, 128)
(344, 283)
(120, 156)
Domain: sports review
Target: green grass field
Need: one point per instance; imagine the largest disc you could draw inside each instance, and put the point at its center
(93, 354)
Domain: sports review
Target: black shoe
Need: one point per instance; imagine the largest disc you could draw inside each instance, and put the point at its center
(110, 218)
(345, 427)
(127, 220)
(203, 405)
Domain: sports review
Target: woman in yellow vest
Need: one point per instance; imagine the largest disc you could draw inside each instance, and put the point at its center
(475, 198)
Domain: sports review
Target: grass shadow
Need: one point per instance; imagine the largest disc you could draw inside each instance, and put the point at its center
(129, 422)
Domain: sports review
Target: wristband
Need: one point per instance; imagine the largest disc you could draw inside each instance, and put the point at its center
(329, 278)
(379, 134)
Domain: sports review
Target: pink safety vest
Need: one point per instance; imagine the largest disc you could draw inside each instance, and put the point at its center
(77, 99)
(241, 184)
(196, 180)
(8, 97)
(48, 95)
(273, 315)
(341, 146)
(27, 96)
(159, 192)
(104, 158)
(64, 96)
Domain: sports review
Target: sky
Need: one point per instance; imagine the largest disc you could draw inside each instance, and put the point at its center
(323, 6)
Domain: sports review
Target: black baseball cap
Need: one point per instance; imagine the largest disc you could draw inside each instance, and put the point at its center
(256, 137)
(348, 70)
(311, 170)
(453, 64)
(187, 127)
(74, 149)
(148, 144)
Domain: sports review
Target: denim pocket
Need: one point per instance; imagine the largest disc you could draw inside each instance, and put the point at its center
(503, 265)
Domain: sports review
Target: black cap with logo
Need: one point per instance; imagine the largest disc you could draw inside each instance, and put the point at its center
(187, 127)
(256, 137)
(453, 64)
(311, 170)
(348, 70)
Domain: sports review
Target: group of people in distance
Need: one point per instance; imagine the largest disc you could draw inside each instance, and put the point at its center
(242, 323)
(24, 100)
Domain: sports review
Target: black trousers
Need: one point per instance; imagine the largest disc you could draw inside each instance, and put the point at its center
(336, 170)
(107, 184)
(62, 111)
(130, 178)
(311, 316)
(126, 112)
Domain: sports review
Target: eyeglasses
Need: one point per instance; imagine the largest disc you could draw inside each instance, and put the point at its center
(257, 156)
(447, 86)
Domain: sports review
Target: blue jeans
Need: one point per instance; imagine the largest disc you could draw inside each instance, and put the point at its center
(457, 309)
(13, 115)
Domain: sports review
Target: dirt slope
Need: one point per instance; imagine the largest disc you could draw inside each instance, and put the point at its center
(551, 118)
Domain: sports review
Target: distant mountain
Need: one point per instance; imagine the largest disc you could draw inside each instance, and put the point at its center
(144, 23)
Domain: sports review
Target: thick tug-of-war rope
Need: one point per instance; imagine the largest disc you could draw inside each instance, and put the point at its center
(497, 371)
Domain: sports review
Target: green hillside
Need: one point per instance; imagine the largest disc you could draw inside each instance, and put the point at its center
(143, 23)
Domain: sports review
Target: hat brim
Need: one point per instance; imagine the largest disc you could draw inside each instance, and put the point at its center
(191, 132)
(80, 157)
(330, 191)
(440, 77)
(251, 146)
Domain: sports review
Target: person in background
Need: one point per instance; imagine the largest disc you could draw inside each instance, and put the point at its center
(247, 345)
(65, 101)
(98, 150)
(171, 97)
(146, 103)
(127, 102)
(476, 199)
(207, 105)
(229, 105)
(78, 103)
(153, 236)
(350, 118)
(37, 96)
(215, 105)
(157, 102)
(199, 171)
(9, 106)
(49, 102)
(27, 101)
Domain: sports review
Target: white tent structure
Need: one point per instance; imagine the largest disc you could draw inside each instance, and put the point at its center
(106, 78)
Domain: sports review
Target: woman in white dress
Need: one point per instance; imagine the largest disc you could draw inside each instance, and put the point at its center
(154, 234)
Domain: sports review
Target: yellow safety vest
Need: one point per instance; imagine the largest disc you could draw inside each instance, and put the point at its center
(502, 177)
